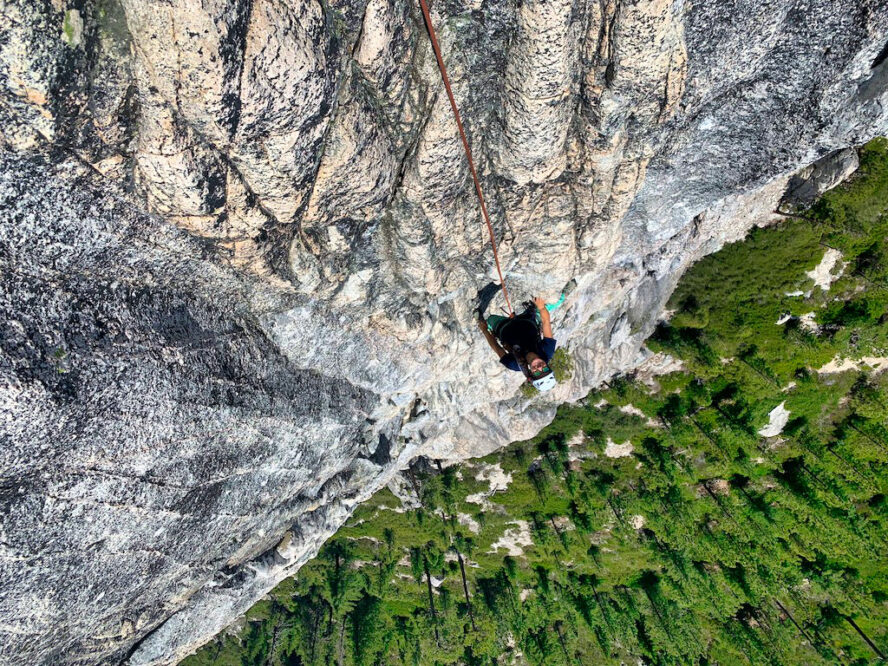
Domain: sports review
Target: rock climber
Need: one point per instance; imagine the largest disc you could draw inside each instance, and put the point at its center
(524, 342)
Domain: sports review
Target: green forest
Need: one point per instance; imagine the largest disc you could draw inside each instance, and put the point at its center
(731, 512)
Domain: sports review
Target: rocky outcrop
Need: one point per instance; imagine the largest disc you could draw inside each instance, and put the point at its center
(240, 253)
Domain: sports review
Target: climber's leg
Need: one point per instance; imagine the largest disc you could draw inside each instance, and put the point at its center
(495, 323)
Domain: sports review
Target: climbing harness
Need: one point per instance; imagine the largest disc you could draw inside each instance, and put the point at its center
(465, 142)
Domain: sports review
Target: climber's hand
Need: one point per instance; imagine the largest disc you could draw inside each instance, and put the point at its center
(540, 303)
(482, 324)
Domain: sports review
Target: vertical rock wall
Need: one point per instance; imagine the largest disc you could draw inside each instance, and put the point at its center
(240, 251)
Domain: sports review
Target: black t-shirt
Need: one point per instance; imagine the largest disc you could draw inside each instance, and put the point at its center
(545, 351)
(522, 335)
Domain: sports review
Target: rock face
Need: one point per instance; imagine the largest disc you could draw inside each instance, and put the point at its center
(240, 249)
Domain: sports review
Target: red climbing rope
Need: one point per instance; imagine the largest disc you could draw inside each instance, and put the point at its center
(465, 142)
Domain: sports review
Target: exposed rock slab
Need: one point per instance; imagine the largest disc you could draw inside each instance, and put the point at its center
(777, 420)
(240, 251)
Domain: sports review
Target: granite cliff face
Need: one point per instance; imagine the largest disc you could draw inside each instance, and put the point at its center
(240, 251)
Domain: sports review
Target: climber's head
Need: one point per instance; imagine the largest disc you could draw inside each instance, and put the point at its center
(535, 362)
(541, 375)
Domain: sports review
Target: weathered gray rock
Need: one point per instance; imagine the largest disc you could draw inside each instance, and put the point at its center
(240, 252)
(826, 173)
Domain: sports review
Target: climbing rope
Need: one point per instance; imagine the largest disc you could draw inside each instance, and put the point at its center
(465, 143)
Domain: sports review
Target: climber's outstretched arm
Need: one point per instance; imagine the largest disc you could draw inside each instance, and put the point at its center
(491, 340)
(544, 317)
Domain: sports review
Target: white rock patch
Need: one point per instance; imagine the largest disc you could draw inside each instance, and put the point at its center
(495, 476)
(806, 320)
(637, 521)
(779, 417)
(808, 323)
(635, 411)
(514, 540)
(478, 498)
(498, 480)
(576, 449)
(468, 521)
(822, 275)
(656, 365)
(613, 450)
(875, 363)
(838, 364)
(632, 409)
(576, 440)
(451, 556)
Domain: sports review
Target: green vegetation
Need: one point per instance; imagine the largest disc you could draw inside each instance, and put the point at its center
(561, 365)
(653, 523)
(72, 28)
